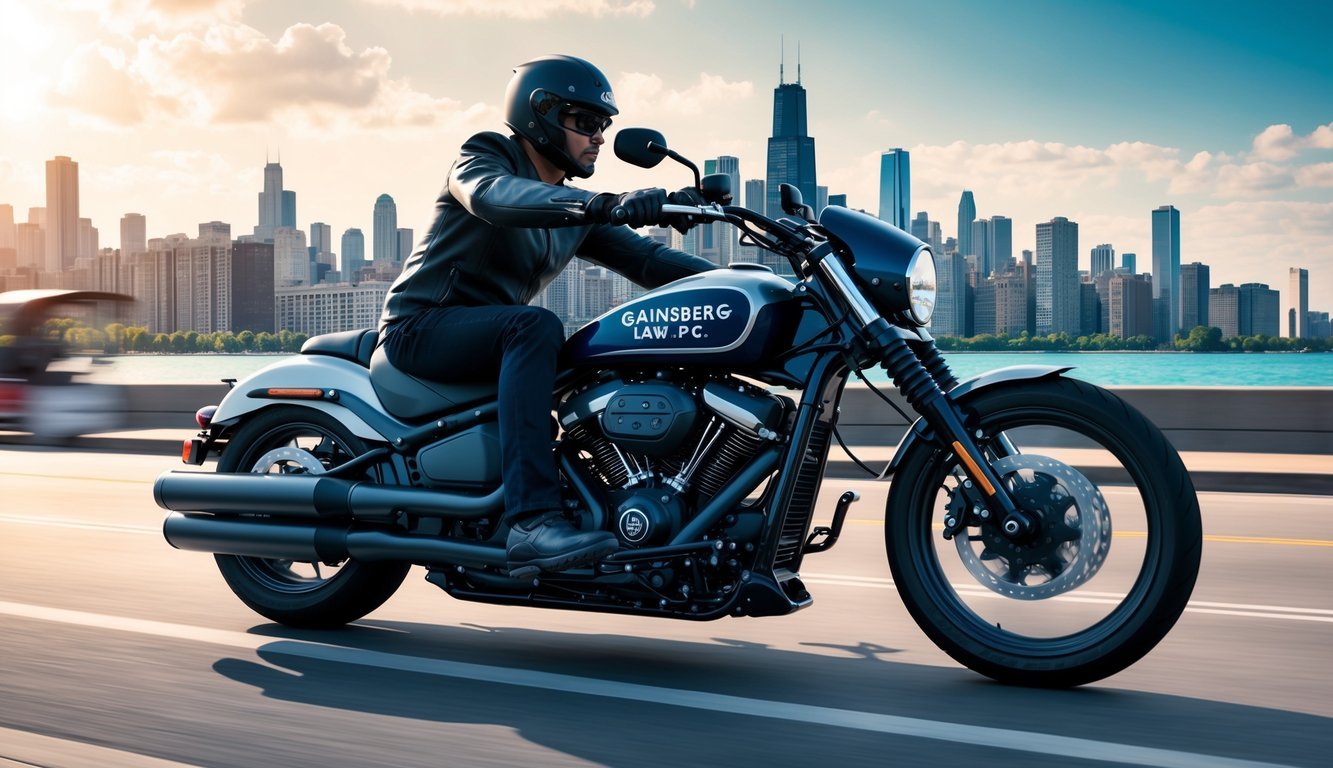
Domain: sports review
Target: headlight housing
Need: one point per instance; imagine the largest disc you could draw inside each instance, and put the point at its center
(895, 270)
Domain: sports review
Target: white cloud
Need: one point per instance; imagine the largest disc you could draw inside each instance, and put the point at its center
(136, 17)
(1279, 143)
(526, 10)
(96, 82)
(308, 79)
(646, 96)
(1320, 175)
(1257, 240)
(1276, 143)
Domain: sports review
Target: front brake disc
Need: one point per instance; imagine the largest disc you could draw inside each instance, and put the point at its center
(1070, 548)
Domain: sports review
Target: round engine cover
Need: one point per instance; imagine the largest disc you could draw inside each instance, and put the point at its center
(647, 518)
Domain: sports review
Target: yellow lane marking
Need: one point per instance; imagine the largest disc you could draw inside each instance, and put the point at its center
(1212, 537)
(31, 476)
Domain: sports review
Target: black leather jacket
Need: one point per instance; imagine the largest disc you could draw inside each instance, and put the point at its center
(500, 235)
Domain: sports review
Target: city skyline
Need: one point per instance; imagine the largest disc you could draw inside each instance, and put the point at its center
(169, 109)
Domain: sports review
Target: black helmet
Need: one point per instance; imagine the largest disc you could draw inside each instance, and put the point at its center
(543, 88)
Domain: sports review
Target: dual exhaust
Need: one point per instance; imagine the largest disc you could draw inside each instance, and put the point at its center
(309, 518)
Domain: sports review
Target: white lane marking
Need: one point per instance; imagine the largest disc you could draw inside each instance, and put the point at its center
(952, 732)
(1283, 612)
(37, 750)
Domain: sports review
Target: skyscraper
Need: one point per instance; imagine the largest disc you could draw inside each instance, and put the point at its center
(1000, 243)
(895, 188)
(62, 213)
(981, 241)
(1194, 287)
(215, 233)
(1298, 317)
(950, 317)
(1130, 305)
(133, 234)
(791, 151)
(1166, 272)
(1128, 262)
(270, 203)
(321, 238)
(6, 225)
(1057, 277)
(967, 213)
(1103, 259)
(291, 258)
(252, 287)
(353, 254)
(726, 236)
(385, 233)
(405, 244)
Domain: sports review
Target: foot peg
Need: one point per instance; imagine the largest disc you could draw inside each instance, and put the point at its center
(830, 533)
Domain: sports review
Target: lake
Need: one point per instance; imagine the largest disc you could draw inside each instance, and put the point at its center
(1112, 369)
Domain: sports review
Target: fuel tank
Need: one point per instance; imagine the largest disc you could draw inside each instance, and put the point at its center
(739, 317)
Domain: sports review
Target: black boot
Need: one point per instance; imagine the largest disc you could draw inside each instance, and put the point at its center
(549, 542)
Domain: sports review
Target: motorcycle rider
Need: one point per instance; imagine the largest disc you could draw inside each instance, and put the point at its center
(505, 225)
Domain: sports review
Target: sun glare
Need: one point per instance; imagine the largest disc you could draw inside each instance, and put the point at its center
(24, 39)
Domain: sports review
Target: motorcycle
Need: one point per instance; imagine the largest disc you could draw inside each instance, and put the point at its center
(1039, 530)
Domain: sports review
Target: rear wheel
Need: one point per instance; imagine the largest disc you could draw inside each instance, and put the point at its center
(1108, 572)
(295, 440)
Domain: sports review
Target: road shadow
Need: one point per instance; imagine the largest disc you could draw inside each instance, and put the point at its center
(863, 678)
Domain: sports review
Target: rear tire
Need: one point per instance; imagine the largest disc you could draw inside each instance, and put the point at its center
(979, 601)
(305, 595)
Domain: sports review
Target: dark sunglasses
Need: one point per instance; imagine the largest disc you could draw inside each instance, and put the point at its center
(586, 123)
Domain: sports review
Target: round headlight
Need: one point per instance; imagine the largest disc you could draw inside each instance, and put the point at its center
(921, 285)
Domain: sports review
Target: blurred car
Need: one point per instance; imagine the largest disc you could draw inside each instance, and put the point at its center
(39, 393)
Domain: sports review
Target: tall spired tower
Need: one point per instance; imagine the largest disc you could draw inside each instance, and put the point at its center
(791, 152)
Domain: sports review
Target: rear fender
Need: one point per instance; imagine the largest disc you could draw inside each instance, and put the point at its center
(305, 371)
(964, 392)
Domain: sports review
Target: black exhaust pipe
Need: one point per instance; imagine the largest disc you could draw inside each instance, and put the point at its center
(308, 543)
(312, 497)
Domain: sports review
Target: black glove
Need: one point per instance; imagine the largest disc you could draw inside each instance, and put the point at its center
(686, 196)
(636, 209)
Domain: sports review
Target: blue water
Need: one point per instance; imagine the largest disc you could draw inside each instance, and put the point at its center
(1112, 369)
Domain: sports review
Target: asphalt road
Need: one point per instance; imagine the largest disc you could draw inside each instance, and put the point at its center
(116, 649)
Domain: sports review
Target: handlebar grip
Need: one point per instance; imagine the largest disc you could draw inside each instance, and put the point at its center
(617, 215)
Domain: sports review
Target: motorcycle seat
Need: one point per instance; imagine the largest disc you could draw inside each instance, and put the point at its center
(408, 397)
(355, 346)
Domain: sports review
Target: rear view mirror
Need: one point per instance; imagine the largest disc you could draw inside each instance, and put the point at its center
(643, 147)
(716, 188)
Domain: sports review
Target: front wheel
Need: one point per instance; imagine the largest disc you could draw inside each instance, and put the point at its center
(1102, 580)
(295, 440)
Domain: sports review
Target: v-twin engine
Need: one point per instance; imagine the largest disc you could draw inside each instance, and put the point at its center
(662, 447)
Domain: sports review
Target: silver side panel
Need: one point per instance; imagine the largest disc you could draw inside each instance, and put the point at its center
(304, 371)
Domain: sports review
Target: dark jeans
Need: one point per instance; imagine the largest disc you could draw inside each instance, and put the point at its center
(516, 345)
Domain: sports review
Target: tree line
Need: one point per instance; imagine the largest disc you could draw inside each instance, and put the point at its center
(117, 338)
(1199, 339)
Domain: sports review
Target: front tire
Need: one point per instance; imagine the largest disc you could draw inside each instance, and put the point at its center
(1027, 613)
(296, 440)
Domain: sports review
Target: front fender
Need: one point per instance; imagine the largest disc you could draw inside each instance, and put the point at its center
(307, 371)
(964, 392)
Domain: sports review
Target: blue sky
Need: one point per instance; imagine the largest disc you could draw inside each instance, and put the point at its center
(1098, 111)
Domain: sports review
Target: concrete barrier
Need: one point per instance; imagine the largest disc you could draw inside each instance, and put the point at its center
(1241, 419)
(1261, 440)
